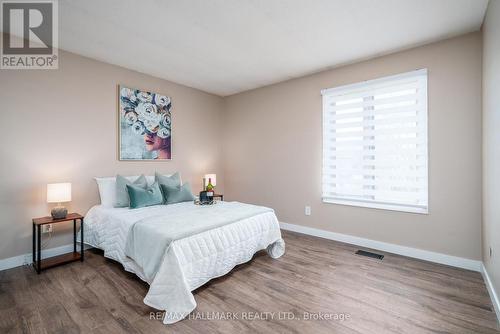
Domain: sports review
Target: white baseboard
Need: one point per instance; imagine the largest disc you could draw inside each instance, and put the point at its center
(421, 254)
(23, 259)
(491, 291)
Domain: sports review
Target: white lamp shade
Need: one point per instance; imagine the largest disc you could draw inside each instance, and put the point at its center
(58, 192)
(212, 177)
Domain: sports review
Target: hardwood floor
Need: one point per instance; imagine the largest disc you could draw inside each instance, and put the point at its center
(317, 276)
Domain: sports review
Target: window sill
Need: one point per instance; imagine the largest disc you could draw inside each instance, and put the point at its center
(380, 206)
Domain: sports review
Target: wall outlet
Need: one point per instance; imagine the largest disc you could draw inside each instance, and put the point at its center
(47, 228)
(307, 211)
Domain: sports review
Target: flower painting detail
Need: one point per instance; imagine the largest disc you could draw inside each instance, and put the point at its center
(145, 125)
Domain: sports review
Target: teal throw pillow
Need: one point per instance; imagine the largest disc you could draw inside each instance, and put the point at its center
(122, 198)
(173, 195)
(141, 197)
(173, 180)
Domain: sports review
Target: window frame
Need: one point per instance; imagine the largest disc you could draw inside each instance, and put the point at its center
(425, 108)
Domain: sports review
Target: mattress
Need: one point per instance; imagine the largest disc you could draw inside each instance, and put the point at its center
(189, 262)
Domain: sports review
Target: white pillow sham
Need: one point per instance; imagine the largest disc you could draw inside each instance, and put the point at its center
(107, 187)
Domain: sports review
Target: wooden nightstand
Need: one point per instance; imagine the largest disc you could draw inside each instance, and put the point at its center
(40, 264)
(219, 196)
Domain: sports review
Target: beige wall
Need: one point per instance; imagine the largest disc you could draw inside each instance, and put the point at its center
(272, 146)
(491, 142)
(61, 125)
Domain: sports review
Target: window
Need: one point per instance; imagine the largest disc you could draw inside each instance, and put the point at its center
(375, 143)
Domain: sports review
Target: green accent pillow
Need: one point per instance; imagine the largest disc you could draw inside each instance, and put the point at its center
(177, 194)
(173, 180)
(140, 197)
(122, 198)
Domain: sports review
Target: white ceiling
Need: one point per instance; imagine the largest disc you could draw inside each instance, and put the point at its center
(228, 46)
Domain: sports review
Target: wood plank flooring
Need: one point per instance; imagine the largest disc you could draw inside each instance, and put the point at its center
(315, 277)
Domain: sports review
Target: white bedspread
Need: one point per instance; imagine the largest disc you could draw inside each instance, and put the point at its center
(188, 262)
(148, 239)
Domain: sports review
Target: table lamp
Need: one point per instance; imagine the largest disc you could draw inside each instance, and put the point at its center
(59, 193)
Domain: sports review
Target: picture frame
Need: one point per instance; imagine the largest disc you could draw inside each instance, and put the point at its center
(144, 125)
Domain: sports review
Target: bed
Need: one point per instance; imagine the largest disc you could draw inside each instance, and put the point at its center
(179, 247)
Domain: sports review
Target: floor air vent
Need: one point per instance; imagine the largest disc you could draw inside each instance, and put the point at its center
(370, 254)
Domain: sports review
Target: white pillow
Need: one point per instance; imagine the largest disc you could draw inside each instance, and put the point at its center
(107, 188)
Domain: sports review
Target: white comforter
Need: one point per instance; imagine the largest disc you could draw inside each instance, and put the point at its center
(189, 262)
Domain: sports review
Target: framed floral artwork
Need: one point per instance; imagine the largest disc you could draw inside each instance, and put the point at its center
(145, 125)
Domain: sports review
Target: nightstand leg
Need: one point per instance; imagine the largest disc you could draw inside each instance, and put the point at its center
(39, 249)
(34, 247)
(81, 241)
(74, 235)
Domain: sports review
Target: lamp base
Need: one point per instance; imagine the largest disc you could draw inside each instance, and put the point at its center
(59, 212)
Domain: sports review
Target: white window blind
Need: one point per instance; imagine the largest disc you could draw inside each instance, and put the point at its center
(375, 143)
